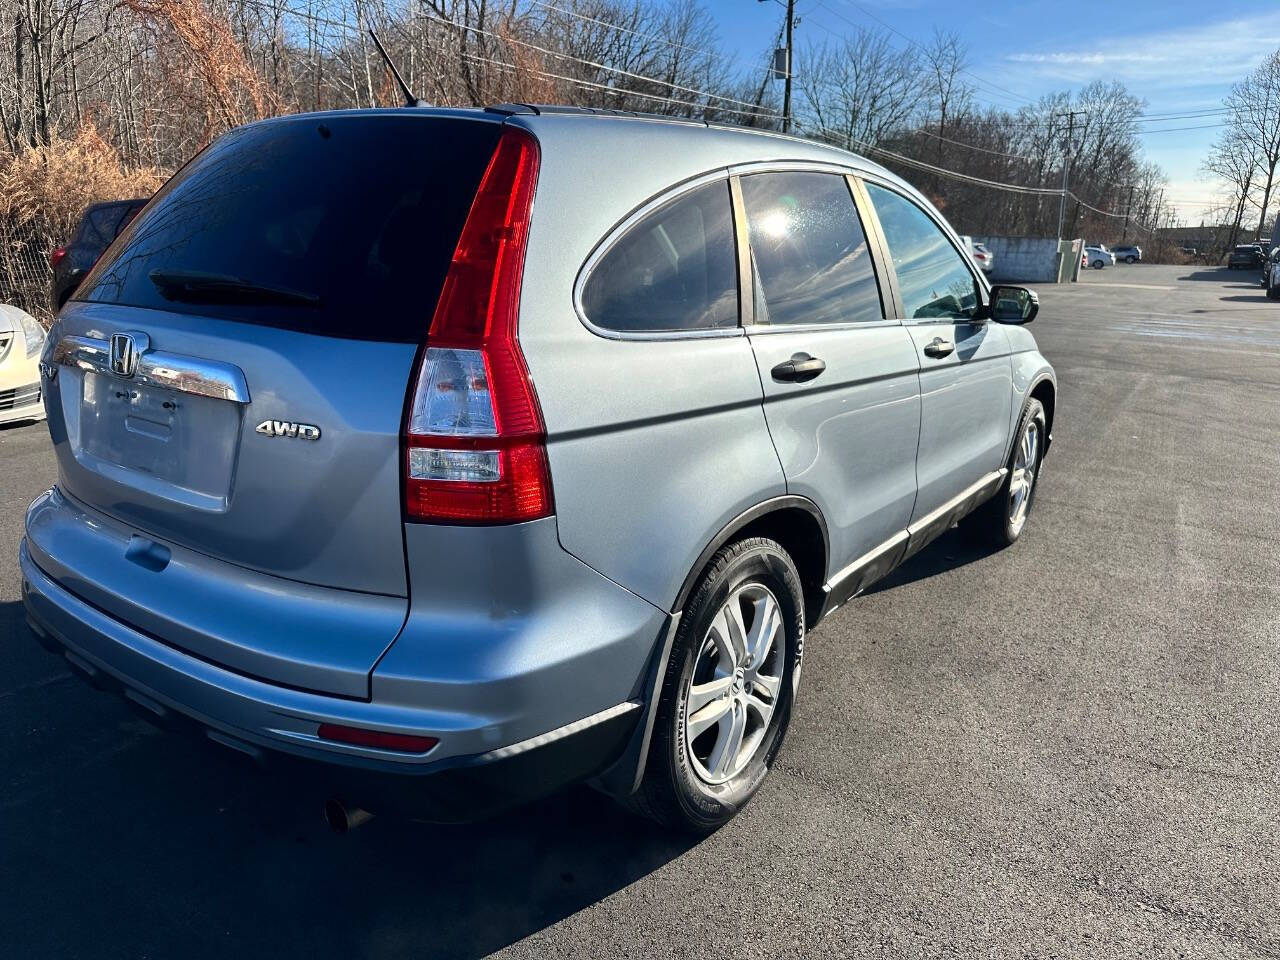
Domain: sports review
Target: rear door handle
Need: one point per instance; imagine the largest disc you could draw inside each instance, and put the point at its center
(801, 368)
(939, 347)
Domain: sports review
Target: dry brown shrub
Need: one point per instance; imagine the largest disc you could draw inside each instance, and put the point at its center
(228, 88)
(43, 190)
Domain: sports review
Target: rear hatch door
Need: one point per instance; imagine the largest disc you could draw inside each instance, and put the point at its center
(232, 374)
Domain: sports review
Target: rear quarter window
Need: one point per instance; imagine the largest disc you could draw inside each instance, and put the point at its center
(359, 214)
(675, 270)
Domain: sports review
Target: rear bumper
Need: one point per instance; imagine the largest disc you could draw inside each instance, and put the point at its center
(277, 725)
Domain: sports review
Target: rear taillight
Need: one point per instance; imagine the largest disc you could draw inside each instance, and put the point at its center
(475, 445)
(56, 256)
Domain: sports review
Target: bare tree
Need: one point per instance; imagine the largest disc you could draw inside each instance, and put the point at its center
(861, 91)
(1235, 161)
(1254, 119)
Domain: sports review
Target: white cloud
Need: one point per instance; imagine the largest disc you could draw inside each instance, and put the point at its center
(1089, 58)
(1214, 53)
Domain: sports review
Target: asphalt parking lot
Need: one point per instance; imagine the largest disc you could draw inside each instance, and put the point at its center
(1065, 749)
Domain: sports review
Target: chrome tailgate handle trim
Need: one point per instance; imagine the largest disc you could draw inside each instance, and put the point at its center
(194, 375)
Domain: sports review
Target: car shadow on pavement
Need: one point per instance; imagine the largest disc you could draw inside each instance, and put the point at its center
(1223, 275)
(122, 840)
(951, 550)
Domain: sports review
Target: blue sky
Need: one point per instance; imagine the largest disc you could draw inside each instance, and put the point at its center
(1179, 56)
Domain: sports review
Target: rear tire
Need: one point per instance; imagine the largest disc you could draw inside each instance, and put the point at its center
(1097, 264)
(712, 741)
(1000, 521)
(1130, 259)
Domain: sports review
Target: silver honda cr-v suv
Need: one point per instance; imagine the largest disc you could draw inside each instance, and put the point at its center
(476, 452)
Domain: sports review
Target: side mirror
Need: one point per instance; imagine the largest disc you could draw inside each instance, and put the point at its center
(1013, 305)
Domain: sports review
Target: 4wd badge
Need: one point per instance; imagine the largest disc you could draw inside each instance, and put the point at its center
(286, 428)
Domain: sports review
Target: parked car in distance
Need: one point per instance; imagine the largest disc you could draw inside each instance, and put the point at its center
(1130, 254)
(983, 257)
(21, 340)
(100, 224)
(1246, 256)
(1189, 251)
(1099, 257)
(575, 524)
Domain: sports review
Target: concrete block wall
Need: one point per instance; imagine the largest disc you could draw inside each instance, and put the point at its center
(1029, 259)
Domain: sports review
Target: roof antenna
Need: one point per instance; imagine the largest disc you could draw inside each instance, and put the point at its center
(409, 99)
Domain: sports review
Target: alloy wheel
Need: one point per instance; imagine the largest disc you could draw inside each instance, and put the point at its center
(735, 685)
(1023, 480)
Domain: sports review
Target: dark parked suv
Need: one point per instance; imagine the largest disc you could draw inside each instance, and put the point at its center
(464, 456)
(99, 225)
(1246, 256)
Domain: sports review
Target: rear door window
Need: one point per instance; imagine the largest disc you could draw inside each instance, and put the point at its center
(101, 225)
(811, 257)
(676, 270)
(351, 221)
(934, 280)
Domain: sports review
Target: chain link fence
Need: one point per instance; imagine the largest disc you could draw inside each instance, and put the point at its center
(25, 274)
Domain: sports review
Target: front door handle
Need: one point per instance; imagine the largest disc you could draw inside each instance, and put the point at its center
(801, 368)
(939, 347)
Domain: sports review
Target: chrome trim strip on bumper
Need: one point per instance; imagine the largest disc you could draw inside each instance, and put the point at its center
(194, 375)
(559, 733)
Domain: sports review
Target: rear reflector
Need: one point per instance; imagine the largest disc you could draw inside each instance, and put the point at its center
(475, 443)
(378, 739)
(56, 256)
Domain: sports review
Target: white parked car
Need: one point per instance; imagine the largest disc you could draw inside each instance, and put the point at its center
(1099, 257)
(983, 257)
(21, 340)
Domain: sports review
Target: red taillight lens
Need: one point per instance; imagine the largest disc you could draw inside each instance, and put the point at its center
(378, 739)
(475, 443)
(56, 256)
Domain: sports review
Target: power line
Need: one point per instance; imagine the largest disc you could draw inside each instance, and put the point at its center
(977, 79)
(590, 63)
(622, 91)
(970, 146)
(943, 171)
(622, 29)
(1203, 126)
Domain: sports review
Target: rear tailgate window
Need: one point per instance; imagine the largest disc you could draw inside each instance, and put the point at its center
(357, 214)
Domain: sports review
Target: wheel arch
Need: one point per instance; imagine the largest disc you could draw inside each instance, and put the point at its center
(1045, 391)
(797, 524)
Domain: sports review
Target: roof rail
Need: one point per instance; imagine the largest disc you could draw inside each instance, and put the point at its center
(542, 109)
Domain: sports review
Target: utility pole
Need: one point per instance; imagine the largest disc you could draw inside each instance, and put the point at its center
(786, 89)
(783, 71)
(1124, 236)
(1067, 152)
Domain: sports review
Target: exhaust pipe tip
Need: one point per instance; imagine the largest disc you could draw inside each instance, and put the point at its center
(343, 819)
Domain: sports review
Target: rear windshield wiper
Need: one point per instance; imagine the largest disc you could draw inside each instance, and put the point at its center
(194, 286)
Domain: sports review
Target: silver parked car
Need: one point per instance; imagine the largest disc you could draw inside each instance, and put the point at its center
(981, 254)
(1099, 256)
(459, 452)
